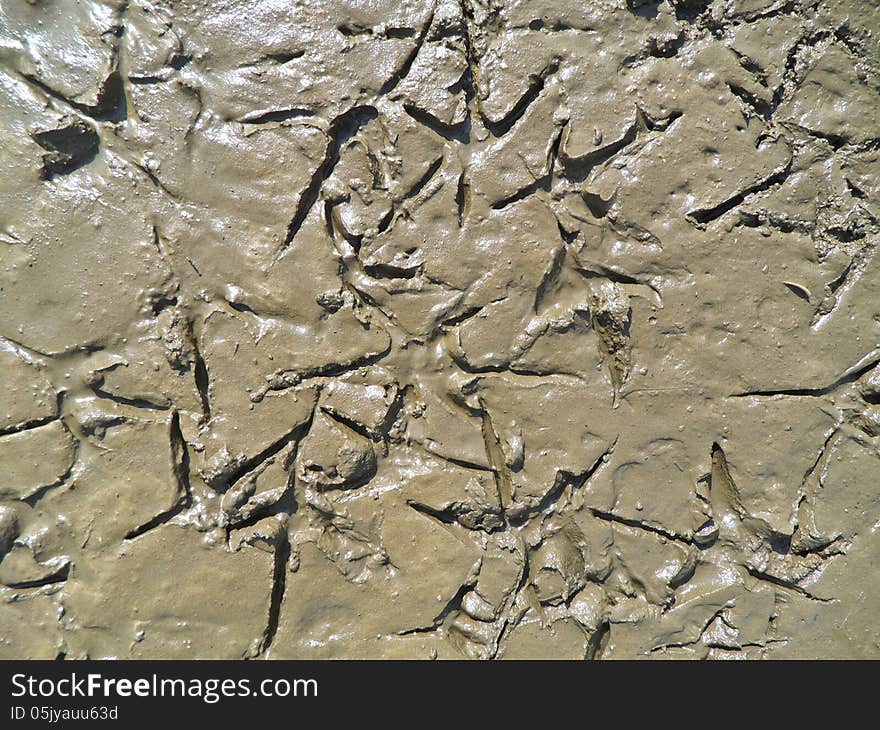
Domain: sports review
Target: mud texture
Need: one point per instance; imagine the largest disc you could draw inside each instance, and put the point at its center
(440, 329)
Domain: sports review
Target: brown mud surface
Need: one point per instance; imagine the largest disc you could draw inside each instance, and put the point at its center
(440, 329)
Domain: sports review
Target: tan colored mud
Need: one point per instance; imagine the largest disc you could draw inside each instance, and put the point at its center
(440, 329)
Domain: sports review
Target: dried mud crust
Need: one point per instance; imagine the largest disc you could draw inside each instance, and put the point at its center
(440, 329)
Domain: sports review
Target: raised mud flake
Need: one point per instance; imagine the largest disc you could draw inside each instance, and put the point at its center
(247, 161)
(121, 606)
(20, 569)
(37, 634)
(341, 129)
(366, 406)
(36, 460)
(221, 467)
(85, 30)
(844, 628)
(157, 373)
(121, 491)
(529, 335)
(536, 639)
(834, 103)
(728, 617)
(261, 491)
(333, 456)
(452, 493)
(563, 433)
(845, 502)
(98, 251)
(255, 368)
(9, 527)
(665, 161)
(798, 426)
(279, 353)
(651, 565)
(556, 569)
(445, 428)
(27, 398)
(324, 615)
(669, 505)
(347, 535)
